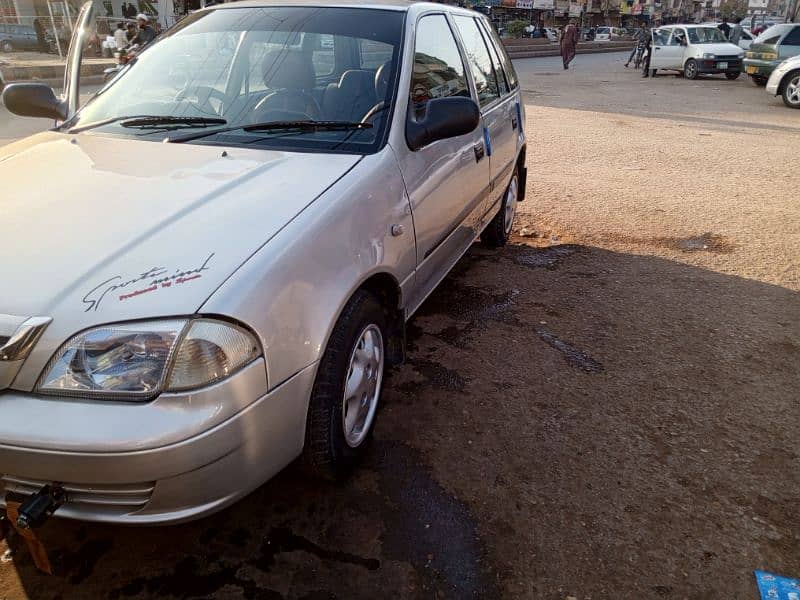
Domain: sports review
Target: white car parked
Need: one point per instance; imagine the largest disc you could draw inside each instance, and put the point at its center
(608, 34)
(695, 50)
(785, 82)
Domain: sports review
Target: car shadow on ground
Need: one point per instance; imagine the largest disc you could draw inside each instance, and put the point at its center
(570, 421)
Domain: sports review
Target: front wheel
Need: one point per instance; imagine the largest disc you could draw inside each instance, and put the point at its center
(732, 76)
(345, 395)
(498, 230)
(7, 46)
(758, 80)
(690, 70)
(791, 90)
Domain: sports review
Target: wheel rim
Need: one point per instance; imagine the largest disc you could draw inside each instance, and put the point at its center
(793, 90)
(7, 47)
(690, 68)
(510, 204)
(363, 385)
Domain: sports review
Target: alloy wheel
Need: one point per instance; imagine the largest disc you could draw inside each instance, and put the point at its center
(363, 385)
(792, 92)
(512, 193)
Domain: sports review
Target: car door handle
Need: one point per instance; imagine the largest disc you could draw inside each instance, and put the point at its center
(480, 151)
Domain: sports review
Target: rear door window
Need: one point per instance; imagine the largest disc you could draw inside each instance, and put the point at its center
(480, 61)
(508, 67)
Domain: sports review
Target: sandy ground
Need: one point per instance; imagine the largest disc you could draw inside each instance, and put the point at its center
(606, 408)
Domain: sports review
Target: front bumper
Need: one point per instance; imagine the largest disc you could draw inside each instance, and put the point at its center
(715, 67)
(168, 482)
(759, 68)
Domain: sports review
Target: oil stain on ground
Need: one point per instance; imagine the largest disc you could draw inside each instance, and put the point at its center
(429, 528)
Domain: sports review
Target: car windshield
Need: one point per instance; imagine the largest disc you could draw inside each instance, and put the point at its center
(231, 68)
(706, 35)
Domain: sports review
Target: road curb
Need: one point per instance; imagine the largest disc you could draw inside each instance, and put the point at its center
(557, 52)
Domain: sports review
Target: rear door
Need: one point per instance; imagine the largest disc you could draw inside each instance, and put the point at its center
(497, 104)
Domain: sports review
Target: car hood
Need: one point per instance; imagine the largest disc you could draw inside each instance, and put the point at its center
(722, 49)
(97, 229)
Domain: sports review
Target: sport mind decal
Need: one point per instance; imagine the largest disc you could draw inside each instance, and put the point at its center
(146, 282)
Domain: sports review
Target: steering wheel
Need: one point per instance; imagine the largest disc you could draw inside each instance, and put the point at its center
(292, 100)
(203, 94)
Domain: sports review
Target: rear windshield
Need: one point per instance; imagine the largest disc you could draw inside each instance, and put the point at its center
(603, 30)
(773, 34)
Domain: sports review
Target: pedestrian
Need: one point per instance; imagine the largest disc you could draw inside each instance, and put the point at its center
(639, 37)
(131, 32)
(120, 37)
(648, 50)
(736, 31)
(40, 37)
(569, 43)
(146, 33)
(725, 28)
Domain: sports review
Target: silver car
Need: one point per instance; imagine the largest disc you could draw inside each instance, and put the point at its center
(217, 258)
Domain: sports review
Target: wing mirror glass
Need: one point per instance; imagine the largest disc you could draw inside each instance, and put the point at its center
(440, 119)
(34, 100)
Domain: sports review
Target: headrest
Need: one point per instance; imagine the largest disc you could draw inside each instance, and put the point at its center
(287, 69)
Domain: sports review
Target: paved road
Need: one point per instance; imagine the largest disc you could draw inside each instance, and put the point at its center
(13, 127)
(606, 408)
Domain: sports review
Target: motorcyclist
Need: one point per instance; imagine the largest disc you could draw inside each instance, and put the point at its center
(640, 37)
(146, 33)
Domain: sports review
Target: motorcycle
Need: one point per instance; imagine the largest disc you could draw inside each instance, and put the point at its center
(122, 57)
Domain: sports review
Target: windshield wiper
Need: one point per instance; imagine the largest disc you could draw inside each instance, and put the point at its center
(300, 126)
(155, 121)
(169, 122)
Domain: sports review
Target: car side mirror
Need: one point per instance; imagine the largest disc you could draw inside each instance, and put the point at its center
(34, 100)
(443, 118)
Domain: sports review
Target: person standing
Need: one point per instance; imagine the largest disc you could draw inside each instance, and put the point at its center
(725, 28)
(736, 32)
(40, 37)
(648, 50)
(569, 44)
(639, 37)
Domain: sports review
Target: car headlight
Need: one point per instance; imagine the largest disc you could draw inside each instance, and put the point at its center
(709, 56)
(137, 361)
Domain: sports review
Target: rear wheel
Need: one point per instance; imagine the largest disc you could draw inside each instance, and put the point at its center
(345, 395)
(690, 70)
(7, 46)
(498, 231)
(732, 75)
(791, 90)
(758, 80)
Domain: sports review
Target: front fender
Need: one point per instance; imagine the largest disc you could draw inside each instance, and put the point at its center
(293, 289)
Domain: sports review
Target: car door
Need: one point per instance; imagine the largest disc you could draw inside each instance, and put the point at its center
(498, 109)
(446, 180)
(667, 50)
(790, 44)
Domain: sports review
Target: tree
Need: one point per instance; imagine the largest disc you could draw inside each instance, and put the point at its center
(733, 8)
(516, 28)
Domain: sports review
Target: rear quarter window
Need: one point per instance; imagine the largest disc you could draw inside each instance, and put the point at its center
(792, 38)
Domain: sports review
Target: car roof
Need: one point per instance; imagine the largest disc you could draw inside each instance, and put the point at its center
(400, 5)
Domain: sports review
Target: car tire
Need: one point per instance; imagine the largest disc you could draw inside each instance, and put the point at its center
(355, 354)
(690, 70)
(499, 228)
(759, 81)
(7, 46)
(733, 76)
(790, 89)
